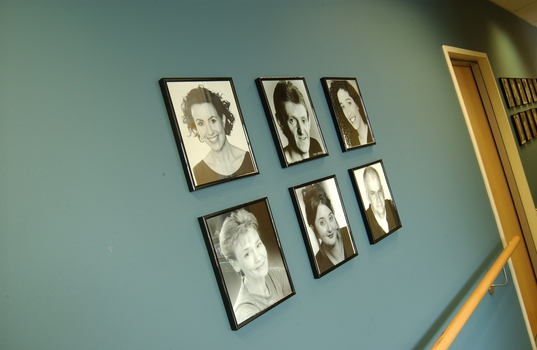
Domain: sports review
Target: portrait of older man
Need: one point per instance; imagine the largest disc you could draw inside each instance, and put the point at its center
(381, 214)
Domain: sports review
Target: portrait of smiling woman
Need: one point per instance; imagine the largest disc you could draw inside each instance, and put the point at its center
(209, 130)
(248, 259)
(348, 112)
(324, 224)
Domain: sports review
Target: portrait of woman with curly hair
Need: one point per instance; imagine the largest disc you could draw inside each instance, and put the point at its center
(349, 112)
(211, 130)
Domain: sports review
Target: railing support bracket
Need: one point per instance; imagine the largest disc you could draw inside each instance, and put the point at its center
(492, 286)
(452, 330)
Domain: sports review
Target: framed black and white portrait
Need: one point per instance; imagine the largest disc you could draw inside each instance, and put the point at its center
(514, 90)
(324, 224)
(376, 200)
(532, 89)
(527, 90)
(521, 91)
(348, 112)
(526, 125)
(531, 122)
(520, 132)
(209, 130)
(533, 112)
(533, 81)
(507, 92)
(292, 119)
(248, 260)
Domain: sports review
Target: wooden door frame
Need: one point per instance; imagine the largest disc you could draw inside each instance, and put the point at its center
(508, 153)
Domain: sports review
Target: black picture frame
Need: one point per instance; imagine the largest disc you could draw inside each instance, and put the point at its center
(521, 91)
(532, 90)
(379, 187)
(526, 125)
(261, 256)
(514, 90)
(533, 81)
(533, 112)
(297, 139)
(507, 92)
(324, 223)
(201, 144)
(527, 90)
(519, 130)
(348, 112)
(531, 122)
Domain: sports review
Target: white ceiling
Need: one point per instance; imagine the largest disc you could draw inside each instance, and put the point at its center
(525, 9)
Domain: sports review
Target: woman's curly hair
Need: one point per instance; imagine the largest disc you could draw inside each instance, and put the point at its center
(203, 95)
(346, 128)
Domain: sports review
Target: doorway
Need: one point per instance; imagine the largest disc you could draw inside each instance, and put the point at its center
(501, 168)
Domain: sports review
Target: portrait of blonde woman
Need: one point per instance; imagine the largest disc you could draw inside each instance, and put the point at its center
(248, 259)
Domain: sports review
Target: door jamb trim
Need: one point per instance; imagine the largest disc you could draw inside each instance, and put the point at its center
(509, 156)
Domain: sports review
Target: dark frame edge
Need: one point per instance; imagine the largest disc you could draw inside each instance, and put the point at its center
(218, 273)
(175, 128)
(270, 120)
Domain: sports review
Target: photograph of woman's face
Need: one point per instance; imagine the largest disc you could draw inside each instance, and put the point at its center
(348, 112)
(250, 255)
(248, 260)
(201, 109)
(209, 125)
(326, 226)
(350, 108)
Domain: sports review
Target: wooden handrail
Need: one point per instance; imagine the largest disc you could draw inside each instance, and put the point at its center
(455, 326)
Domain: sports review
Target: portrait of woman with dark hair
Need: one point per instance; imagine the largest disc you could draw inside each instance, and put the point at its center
(330, 242)
(208, 118)
(349, 112)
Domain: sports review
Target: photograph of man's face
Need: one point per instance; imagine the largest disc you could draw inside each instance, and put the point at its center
(375, 192)
(293, 119)
(296, 127)
(380, 212)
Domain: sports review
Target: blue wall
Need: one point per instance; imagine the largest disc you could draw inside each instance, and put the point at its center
(99, 242)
